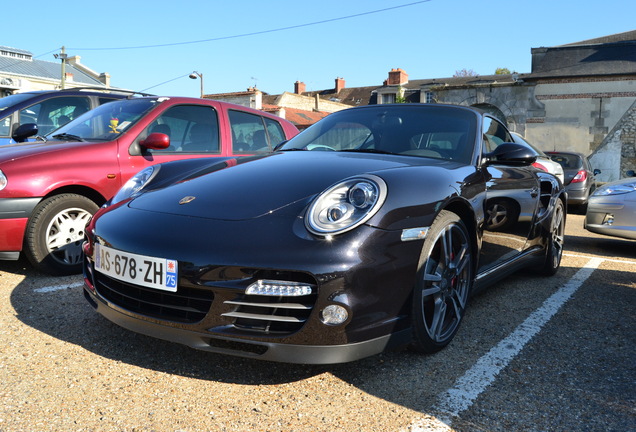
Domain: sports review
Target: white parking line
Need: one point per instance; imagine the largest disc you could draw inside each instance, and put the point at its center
(468, 387)
(613, 260)
(49, 289)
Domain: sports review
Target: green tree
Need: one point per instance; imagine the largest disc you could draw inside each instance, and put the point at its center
(400, 97)
(502, 71)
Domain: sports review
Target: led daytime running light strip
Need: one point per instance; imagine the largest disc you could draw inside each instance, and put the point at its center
(279, 288)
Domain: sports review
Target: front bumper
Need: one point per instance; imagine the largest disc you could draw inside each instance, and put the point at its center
(369, 272)
(612, 216)
(262, 350)
(14, 215)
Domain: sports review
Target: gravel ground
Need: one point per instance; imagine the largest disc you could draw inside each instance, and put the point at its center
(65, 368)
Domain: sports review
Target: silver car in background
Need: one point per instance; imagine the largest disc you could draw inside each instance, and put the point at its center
(543, 162)
(611, 209)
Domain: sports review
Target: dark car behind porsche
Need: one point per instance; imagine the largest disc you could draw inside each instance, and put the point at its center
(580, 177)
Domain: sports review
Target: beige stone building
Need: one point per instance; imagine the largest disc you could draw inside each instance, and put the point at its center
(20, 72)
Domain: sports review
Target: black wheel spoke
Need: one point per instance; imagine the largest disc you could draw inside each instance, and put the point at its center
(447, 249)
(437, 322)
(432, 277)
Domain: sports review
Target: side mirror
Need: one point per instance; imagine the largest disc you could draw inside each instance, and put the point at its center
(156, 141)
(597, 171)
(511, 154)
(630, 173)
(24, 131)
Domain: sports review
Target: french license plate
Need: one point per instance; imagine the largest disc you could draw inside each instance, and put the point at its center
(151, 272)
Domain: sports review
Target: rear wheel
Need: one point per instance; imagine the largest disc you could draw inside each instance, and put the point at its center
(55, 232)
(443, 283)
(554, 248)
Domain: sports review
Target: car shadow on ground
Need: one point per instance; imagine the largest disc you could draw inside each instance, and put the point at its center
(602, 246)
(405, 378)
(65, 315)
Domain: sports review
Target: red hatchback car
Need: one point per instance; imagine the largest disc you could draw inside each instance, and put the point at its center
(49, 189)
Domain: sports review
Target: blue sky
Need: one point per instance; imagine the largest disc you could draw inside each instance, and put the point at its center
(427, 39)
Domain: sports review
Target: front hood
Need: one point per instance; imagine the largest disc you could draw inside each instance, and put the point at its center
(266, 185)
(21, 150)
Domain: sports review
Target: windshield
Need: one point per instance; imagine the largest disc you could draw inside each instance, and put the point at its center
(9, 101)
(106, 121)
(567, 161)
(410, 130)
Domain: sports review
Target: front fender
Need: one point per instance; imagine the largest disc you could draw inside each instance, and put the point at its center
(417, 194)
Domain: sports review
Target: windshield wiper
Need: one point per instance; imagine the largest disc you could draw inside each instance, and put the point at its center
(68, 137)
(368, 150)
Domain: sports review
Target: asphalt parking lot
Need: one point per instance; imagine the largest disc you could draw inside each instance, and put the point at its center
(533, 354)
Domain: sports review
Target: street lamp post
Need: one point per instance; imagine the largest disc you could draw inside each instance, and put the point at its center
(62, 56)
(196, 74)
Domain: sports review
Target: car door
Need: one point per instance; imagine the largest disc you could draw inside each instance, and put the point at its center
(512, 194)
(252, 133)
(194, 131)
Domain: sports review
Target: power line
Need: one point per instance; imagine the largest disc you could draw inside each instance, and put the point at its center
(254, 33)
(165, 82)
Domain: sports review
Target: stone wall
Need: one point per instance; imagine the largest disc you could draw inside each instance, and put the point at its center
(515, 101)
(591, 116)
(579, 114)
(617, 152)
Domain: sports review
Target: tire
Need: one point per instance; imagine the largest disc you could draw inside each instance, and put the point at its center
(55, 232)
(444, 281)
(554, 248)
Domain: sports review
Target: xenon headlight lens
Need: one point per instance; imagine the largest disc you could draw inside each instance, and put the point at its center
(615, 189)
(346, 205)
(135, 184)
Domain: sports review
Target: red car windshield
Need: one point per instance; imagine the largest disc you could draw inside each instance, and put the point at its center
(106, 121)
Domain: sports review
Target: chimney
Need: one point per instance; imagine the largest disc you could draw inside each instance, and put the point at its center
(397, 77)
(75, 60)
(104, 78)
(299, 87)
(340, 84)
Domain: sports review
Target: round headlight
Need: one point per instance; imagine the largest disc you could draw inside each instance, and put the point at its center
(346, 205)
(135, 184)
(3, 180)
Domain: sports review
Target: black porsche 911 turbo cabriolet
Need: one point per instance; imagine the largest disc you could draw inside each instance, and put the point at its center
(368, 231)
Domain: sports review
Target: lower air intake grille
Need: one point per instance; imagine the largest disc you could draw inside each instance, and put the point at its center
(271, 314)
(187, 305)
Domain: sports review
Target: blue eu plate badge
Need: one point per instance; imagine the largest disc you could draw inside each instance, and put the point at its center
(171, 274)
